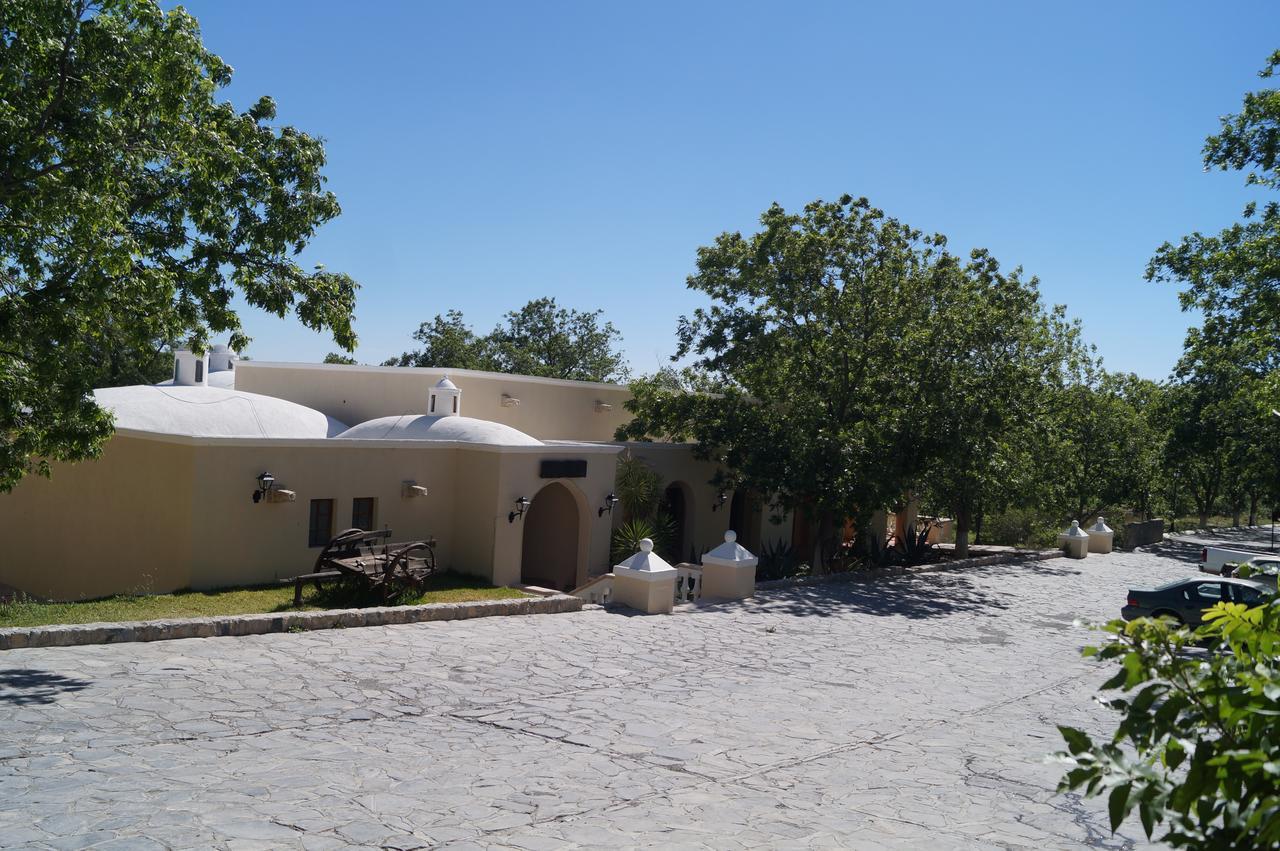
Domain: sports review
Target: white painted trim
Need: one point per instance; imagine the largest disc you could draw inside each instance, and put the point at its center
(555, 449)
(647, 575)
(432, 371)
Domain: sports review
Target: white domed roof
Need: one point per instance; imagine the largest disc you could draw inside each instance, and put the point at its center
(194, 411)
(446, 384)
(424, 427)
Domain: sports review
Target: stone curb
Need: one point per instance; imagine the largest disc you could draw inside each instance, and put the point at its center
(880, 572)
(67, 635)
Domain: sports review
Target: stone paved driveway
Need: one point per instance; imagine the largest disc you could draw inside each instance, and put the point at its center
(905, 713)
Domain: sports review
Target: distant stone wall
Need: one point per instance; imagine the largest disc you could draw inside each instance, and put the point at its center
(1143, 534)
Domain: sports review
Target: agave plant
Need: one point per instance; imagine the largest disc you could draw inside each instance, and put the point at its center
(627, 537)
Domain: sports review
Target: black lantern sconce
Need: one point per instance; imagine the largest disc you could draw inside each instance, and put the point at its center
(266, 482)
(721, 499)
(521, 504)
(609, 502)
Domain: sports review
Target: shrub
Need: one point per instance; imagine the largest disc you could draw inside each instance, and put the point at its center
(1197, 749)
(627, 537)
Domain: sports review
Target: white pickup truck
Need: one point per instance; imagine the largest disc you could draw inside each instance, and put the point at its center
(1214, 559)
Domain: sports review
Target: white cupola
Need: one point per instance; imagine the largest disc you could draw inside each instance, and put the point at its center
(190, 369)
(222, 358)
(445, 399)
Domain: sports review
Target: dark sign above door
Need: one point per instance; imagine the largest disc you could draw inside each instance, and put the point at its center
(573, 469)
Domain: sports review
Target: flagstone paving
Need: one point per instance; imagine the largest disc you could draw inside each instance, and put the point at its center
(909, 712)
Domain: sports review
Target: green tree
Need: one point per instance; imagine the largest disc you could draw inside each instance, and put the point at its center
(538, 339)
(1234, 277)
(829, 370)
(335, 357)
(447, 341)
(134, 205)
(995, 359)
(1197, 748)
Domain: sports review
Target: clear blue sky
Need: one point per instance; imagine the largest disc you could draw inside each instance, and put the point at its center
(485, 154)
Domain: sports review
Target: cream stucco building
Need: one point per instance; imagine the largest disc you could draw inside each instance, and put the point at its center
(509, 474)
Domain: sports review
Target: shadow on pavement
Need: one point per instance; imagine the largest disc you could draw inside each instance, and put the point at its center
(24, 686)
(1177, 550)
(919, 596)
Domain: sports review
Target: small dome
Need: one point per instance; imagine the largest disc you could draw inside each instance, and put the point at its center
(440, 428)
(446, 384)
(194, 411)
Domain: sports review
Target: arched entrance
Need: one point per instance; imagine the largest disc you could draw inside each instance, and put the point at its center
(550, 549)
(676, 502)
(744, 518)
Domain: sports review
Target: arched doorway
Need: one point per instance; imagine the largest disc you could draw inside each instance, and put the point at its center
(676, 503)
(549, 551)
(744, 518)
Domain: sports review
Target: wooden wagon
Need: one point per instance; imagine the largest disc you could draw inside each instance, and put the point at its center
(370, 558)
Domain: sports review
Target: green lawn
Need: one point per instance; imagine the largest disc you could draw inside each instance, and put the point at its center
(446, 588)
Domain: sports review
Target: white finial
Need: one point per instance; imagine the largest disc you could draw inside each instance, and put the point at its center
(1075, 524)
(730, 536)
(646, 545)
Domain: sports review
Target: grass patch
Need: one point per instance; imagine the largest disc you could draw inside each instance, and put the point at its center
(445, 588)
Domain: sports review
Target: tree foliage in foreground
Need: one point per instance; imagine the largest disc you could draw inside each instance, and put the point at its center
(538, 339)
(134, 205)
(1197, 750)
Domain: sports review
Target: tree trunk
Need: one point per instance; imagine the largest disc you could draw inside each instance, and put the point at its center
(977, 528)
(822, 545)
(962, 533)
(1204, 519)
(1253, 509)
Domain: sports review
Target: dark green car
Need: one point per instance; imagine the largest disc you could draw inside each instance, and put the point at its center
(1186, 599)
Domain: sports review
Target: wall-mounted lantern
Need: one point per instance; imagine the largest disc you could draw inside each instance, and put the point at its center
(267, 490)
(521, 504)
(509, 401)
(266, 482)
(609, 502)
(721, 499)
(410, 489)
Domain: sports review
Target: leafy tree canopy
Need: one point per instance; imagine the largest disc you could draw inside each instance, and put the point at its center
(335, 357)
(538, 339)
(1234, 277)
(845, 355)
(134, 205)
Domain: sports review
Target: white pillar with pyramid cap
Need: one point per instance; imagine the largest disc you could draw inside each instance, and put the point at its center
(729, 571)
(1074, 541)
(645, 581)
(1101, 537)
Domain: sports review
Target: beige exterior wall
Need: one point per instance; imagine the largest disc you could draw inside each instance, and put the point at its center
(156, 516)
(549, 409)
(237, 541)
(120, 524)
(520, 477)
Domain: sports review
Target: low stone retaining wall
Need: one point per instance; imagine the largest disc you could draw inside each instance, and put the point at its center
(66, 635)
(1143, 534)
(876, 572)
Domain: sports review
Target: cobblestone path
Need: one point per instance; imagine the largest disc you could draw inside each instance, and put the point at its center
(912, 712)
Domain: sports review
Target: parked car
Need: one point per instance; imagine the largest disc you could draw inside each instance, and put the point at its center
(1186, 599)
(1214, 559)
